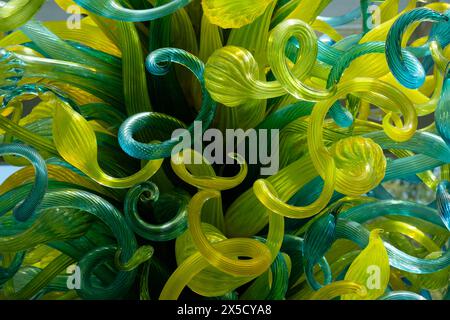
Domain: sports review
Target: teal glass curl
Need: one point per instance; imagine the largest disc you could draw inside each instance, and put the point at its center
(443, 202)
(402, 295)
(318, 239)
(162, 205)
(26, 208)
(442, 113)
(409, 75)
(114, 10)
(126, 241)
(158, 63)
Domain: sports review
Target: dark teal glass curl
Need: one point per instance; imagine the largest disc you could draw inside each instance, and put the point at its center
(126, 241)
(11, 270)
(402, 295)
(162, 204)
(158, 63)
(114, 10)
(25, 209)
(318, 239)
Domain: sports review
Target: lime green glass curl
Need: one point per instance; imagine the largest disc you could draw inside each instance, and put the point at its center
(371, 163)
(291, 78)
(232, 78)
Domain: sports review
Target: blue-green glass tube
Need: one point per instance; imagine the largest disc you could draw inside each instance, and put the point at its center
(114, 10)
(409, 75)
(25, 209)
(158, 63)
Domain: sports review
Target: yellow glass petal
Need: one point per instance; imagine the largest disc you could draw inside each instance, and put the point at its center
(370, 269)
(76, 142)
(233, 13)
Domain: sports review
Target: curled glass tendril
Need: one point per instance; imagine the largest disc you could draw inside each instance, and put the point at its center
(410, 76)
(114, 10)
(159, 63)
(148, 193)
(25, 209)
